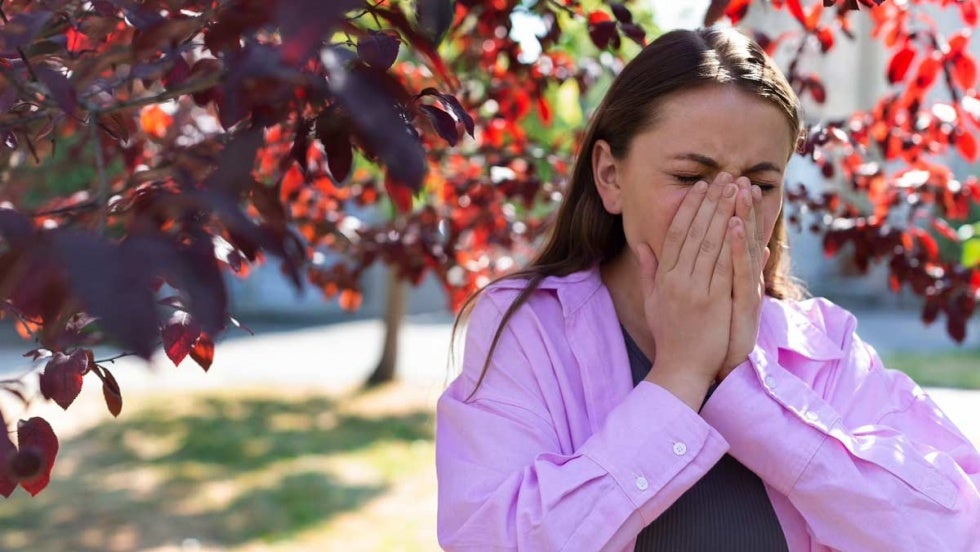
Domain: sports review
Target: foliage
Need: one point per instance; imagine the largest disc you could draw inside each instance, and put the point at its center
(152, 146)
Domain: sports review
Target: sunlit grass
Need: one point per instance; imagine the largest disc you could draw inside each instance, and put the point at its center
(239, 472)
(958, 369)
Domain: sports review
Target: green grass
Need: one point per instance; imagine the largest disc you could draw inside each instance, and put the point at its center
(958, 369)
(259, 471)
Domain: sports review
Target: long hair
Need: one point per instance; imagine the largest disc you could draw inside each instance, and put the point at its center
(585, 234)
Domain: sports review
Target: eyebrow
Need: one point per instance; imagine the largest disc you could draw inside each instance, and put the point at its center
(709, 162)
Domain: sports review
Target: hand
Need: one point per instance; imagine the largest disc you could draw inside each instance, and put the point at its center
(750, 254)
(688, 291)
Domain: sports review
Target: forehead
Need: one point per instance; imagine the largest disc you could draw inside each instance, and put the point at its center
(721, 122)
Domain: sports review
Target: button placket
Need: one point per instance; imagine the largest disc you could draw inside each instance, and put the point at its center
(680, 449)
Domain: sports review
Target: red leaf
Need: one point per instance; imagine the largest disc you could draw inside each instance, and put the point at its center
(813, 19)
(958, 42)
(597, 17)
(400, 194)
(817, 89)
(545, 109)
(968, 9)
(966, 143)
(350, 299)
(965, 71)
(61, 380)
(927, 242)
(110, 391)
(945, 229)
(826, 38)
(928, 70)
(179, 336)
(899, 64)
(797, 10)
(203, 351)
(737, 10)
(39, 444)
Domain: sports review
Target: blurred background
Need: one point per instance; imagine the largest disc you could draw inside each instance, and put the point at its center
(281, 445)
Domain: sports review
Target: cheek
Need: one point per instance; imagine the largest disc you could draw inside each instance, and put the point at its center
(771, 208)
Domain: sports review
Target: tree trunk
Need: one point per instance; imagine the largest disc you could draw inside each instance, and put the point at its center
(384, 372)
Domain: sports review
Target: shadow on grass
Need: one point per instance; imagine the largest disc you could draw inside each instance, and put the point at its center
(229, 472)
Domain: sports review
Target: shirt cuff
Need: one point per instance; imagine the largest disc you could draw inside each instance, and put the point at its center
(649, 439)
(772, 421)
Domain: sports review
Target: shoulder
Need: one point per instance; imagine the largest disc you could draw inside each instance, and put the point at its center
(552, 296)
(816, 321)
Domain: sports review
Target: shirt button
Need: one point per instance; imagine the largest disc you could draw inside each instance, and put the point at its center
(642, 483)
(811, 415)
(680, 449)
(770, 382)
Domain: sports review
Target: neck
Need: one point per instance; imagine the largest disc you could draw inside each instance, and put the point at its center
(621, 277)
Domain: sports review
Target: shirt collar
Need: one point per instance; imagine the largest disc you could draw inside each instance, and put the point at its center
(785, 325)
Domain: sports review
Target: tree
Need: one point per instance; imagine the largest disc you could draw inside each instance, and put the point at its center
(153, 145)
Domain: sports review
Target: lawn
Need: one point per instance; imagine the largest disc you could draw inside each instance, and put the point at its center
(269, 469)
(257, 470)
(958, 369)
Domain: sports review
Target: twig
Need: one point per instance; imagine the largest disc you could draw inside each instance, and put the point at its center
(102, 193)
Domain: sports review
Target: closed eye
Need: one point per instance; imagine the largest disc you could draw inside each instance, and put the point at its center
(693, 179)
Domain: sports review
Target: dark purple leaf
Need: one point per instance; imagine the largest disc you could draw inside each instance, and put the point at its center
(121, 295)
(22, 29)
(178, 74)
(60, 87)
(444, 124)
(332, 130)
(301, 144)
(7, 452)
(234, 172)
(634, 32)
(305, 23)
(434, 18)
(61, 380)
(622, 13)
(452, 104)
(603, 34)
(383, 130)
(378, 49)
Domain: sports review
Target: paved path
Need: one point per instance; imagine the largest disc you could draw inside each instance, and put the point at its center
(343, 354)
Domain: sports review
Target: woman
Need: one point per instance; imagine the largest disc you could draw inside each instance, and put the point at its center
(753, 421)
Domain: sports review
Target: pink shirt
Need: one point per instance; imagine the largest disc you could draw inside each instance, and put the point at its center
(558, 450)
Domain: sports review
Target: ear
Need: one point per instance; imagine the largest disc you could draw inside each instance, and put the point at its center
(604, 172)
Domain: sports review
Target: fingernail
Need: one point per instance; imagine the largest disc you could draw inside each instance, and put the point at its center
(757, 193)
(733, 222)
(730, 190)
(701, 186)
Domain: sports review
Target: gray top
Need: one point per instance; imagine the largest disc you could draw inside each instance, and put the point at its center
(726, 510)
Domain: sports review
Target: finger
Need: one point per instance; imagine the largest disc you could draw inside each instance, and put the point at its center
(721, 277)
(706, 261)
(677, 231)
(745, 285)
(699, 225)
(760, 222)
(648, 267)
(752, 224)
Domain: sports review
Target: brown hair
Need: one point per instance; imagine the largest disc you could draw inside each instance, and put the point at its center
(585, 233)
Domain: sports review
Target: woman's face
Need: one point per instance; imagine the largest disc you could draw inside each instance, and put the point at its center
(699, 134)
